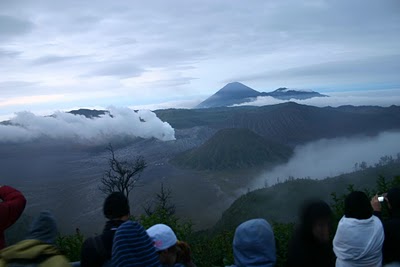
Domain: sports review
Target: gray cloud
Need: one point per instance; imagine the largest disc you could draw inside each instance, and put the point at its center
(51, 59)
(5, 54)
(12, 26)
(4, 85)
(117, 69)
(384, 69)
(168, 56)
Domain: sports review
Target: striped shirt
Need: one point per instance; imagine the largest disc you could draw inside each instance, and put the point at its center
(132, 247)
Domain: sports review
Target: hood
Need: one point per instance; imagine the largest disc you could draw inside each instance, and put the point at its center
(44, 228)
(254, 244)
(28, 249)
(359, 242)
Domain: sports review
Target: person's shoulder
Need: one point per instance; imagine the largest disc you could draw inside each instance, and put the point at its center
(56, 260)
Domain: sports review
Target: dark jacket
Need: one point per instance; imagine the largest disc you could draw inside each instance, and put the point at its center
(90, 254)
(305, 251)
(391, 245)
(10, 209)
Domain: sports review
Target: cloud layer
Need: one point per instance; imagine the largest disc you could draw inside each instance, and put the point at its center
(382, 98)
(332, 157)
(122, 123)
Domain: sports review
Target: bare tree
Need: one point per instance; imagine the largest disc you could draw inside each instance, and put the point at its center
(162, 201)
(122, 176)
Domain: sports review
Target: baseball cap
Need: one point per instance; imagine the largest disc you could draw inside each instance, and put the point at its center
(163, 236)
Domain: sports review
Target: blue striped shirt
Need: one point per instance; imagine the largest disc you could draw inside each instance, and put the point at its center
(132, 247)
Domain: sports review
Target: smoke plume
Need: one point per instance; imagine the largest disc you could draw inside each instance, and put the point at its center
(119, 123)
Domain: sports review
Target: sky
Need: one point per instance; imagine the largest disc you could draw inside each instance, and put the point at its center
(60, 55)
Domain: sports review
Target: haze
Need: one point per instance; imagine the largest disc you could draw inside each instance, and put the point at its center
(332, 157)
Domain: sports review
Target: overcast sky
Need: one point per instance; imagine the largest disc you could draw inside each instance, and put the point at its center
(66, 54)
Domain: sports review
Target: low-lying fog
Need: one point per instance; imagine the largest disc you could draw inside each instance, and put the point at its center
(332, 157)
(119, 123)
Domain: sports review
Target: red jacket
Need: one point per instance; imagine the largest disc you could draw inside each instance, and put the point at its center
(10, 209)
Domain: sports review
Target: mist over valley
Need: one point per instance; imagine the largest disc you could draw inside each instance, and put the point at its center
(207, 157)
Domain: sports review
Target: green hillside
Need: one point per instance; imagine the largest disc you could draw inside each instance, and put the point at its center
(233, 149)
(281, 202)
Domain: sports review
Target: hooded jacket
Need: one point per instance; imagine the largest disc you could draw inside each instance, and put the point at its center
(32, 253)
(254, 244)
(358, 243)
(38, 249)
(10, 209)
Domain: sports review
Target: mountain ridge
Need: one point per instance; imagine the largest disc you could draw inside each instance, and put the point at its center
(290, 123)
(237, 93)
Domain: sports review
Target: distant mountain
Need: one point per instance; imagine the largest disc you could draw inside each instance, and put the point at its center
(238, 93)
(287, 94)
(233, 149)
(290, 123)
(89, 113)
(230, 94)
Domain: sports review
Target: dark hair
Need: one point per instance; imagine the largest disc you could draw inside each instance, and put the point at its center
(358, 206)
(393, 196)
(311, 212)
(115, 206)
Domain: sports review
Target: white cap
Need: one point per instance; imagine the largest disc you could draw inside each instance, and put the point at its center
(162, 236)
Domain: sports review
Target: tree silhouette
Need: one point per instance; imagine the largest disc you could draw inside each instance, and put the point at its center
(122, 176)
(162, 203)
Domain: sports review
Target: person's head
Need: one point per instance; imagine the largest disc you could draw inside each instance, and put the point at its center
(165, 242)
(393, 198)
(357, 206)
(44, 228)
(116, 207)
(184, 253)
(132, 246)
(316, 219)
(254, 244)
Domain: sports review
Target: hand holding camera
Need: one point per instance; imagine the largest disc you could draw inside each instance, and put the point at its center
(376, 202)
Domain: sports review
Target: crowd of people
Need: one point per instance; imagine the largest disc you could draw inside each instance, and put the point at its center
(362, 238)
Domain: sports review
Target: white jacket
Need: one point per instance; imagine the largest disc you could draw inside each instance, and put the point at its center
(358, 243)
